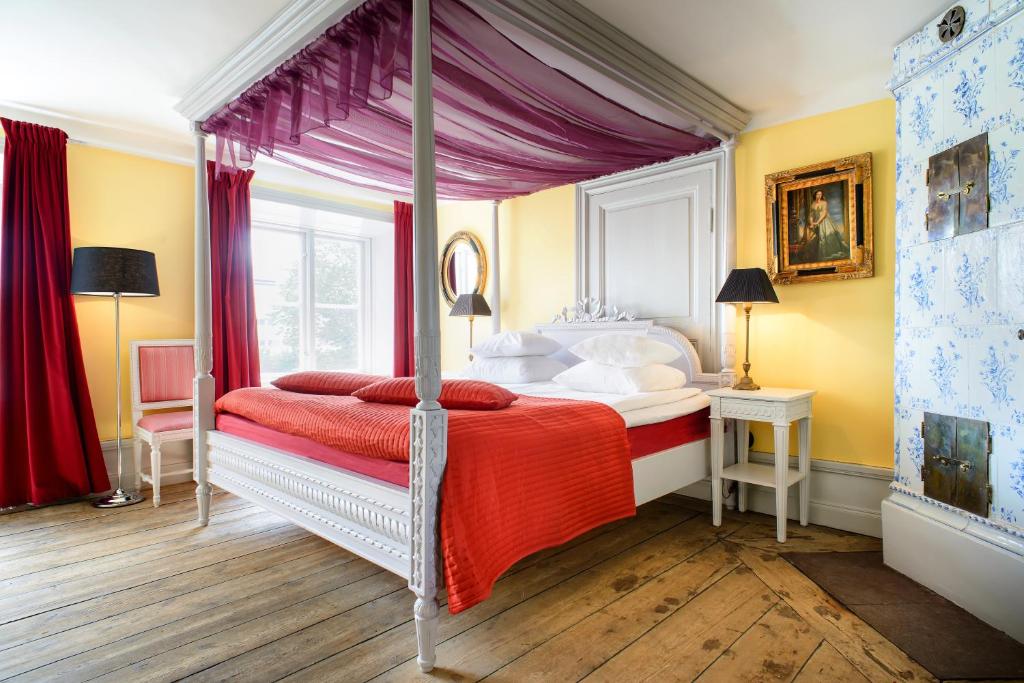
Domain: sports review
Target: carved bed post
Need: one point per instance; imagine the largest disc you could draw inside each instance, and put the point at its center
(495, 269)
(203, 384)
(428, 421)
(727, 316)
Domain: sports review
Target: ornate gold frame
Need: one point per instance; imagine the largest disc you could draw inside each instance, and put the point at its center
(446, 257)
(856, 170)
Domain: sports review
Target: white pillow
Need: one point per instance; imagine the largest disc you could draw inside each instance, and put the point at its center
(625, 350)
(606, 379)
(514, 344)
(514, 370)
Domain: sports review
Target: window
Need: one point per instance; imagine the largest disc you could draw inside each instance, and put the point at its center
(315, 286)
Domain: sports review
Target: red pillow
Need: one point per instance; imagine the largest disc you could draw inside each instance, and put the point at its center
(331, 383)
(456, 394)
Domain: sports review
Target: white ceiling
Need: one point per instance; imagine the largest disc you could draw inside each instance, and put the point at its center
(778, 59)
(111, 71)
(120, 63)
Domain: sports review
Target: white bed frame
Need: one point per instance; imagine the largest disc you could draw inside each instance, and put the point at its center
(396, 527)
(391, 526)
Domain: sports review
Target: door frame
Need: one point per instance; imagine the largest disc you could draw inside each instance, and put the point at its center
(722, 231)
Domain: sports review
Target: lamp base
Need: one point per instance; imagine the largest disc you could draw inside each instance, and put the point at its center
(745, 384)
(118, 499)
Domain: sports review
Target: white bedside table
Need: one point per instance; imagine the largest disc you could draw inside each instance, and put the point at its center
(781, 407)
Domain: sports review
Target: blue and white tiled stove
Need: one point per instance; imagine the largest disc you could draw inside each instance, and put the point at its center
(959, 306)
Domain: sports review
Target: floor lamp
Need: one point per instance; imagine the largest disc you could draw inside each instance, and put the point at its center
(115, 272)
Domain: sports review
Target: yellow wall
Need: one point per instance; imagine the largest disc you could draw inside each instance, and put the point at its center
(129, 201)
(537, 263)
(341, 199)
(836, 337)
(475, 218)
(539, 246)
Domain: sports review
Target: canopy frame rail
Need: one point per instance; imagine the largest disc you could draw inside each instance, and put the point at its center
(574, 30)
(565, 26)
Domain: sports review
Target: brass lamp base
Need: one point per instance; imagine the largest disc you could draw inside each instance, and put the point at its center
(745, 384)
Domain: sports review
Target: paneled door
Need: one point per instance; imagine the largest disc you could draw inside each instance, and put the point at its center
(646, 244)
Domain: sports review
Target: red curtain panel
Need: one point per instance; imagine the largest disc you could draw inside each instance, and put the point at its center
(236, 356)
(49, 448)
(405, 351)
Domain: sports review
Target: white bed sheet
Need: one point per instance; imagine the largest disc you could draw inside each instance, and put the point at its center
(666, 411)
(636, 409)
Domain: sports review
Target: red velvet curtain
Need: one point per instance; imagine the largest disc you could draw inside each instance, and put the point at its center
(49, 449)
(236, 356)
(405, 335)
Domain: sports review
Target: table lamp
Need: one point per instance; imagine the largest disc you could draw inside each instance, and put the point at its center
(470, 306)
(115, 272)
(747, 286)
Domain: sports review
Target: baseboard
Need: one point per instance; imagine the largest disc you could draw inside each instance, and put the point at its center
(979, 567)
(843, 495)
(174, 456)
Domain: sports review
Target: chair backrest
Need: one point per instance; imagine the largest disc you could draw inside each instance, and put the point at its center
(162, 373)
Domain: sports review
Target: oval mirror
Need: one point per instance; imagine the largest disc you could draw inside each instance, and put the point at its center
(463, 266)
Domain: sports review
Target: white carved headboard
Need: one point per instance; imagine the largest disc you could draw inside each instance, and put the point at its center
(569, 333)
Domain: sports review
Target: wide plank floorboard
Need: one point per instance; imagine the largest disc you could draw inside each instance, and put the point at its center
(143, 594)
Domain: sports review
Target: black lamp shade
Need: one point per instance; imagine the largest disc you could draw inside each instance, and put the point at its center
(470, 304)
(106, 271)
(747, 285)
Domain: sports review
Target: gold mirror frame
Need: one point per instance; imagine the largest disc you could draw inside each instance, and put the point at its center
(446, 257)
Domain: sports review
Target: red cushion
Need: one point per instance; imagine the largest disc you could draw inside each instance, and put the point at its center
(327, 383)
(456, 394)
(167, 422)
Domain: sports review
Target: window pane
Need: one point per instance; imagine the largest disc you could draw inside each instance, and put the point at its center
(276, 260)
(337, 273)
(337, 338)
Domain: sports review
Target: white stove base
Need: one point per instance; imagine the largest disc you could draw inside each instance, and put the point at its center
(940, 550)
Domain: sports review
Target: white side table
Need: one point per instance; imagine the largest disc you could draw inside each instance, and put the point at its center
(781, 407)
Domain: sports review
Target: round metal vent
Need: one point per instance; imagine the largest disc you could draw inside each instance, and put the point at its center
(952, 24)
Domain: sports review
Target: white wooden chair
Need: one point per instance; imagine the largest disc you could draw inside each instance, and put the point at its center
(161, 376)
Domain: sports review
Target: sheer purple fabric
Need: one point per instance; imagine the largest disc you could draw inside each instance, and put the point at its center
(506, 124)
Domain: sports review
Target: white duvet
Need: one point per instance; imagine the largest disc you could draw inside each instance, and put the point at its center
(636, 409)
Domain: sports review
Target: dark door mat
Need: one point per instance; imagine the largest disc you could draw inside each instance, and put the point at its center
(941, 637)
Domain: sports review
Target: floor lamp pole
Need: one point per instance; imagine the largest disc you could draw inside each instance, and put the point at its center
(117, 382)
(119, 497)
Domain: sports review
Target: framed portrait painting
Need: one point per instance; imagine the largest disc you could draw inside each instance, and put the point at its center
(819, 222)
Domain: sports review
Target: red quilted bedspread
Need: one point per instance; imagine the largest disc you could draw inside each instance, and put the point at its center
(518, 480)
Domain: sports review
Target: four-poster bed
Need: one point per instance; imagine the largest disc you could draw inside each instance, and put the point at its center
(303, 112)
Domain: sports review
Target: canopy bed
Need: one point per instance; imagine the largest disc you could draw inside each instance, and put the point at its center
(479, 99)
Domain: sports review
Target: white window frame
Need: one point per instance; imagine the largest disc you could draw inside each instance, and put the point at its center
(376, 233)
(307, 293)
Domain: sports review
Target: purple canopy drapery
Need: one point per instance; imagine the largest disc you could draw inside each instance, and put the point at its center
(506, 123)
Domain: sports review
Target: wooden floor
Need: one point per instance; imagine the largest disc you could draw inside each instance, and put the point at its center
(143, 594)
